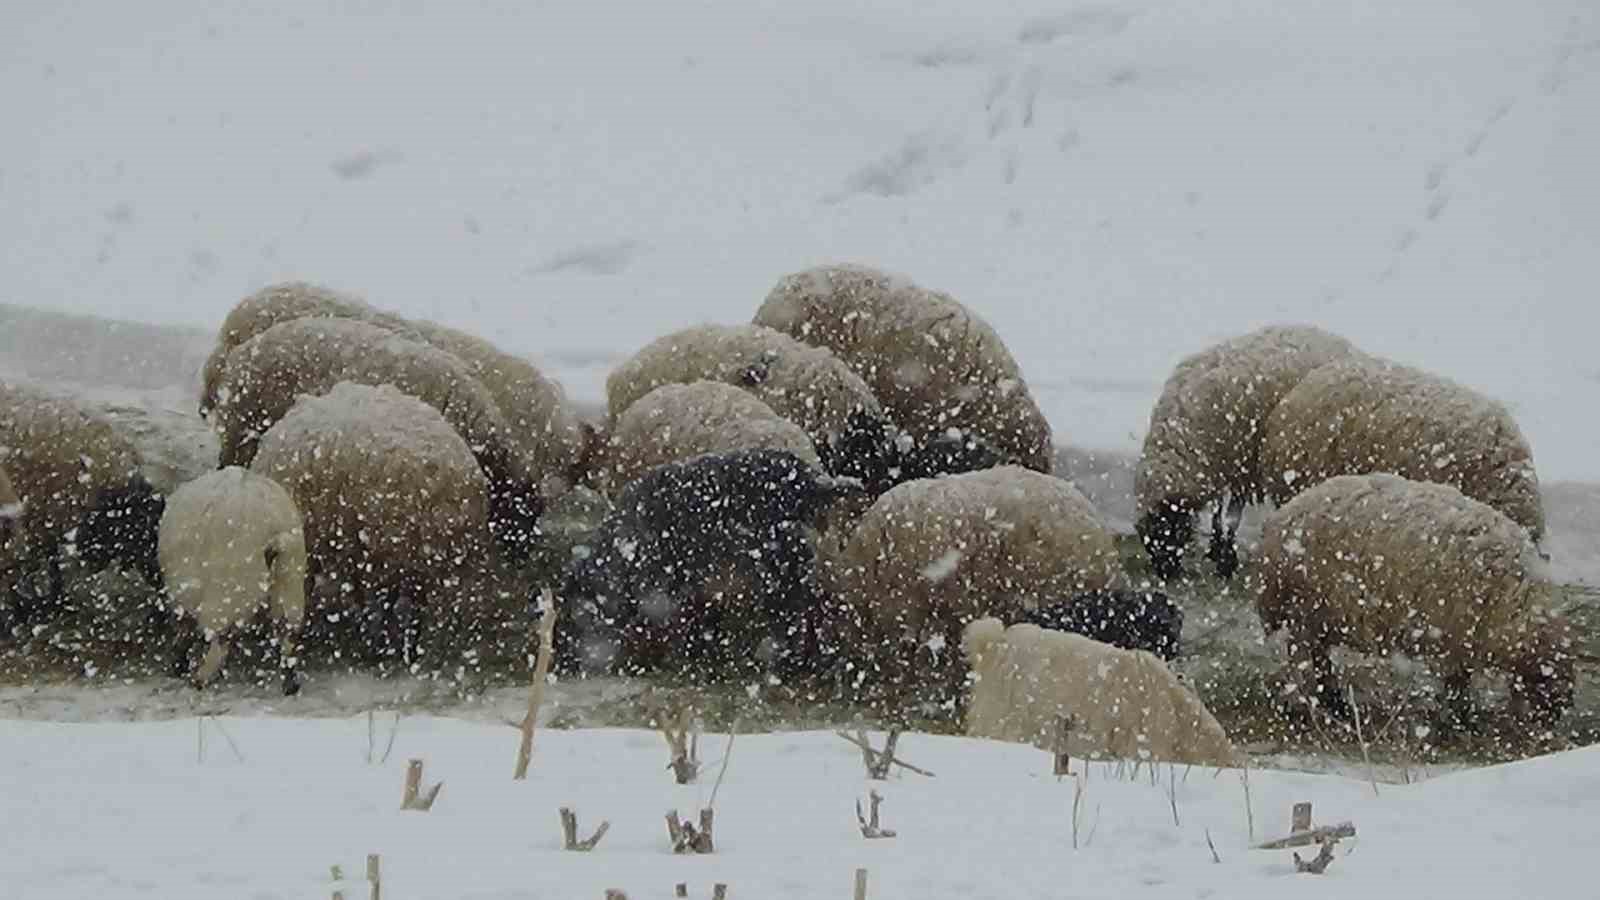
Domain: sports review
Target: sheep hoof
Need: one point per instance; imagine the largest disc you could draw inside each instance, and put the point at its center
(291, 683)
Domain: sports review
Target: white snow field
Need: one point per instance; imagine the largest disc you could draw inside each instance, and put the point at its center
(1112, 184)
(133, 810)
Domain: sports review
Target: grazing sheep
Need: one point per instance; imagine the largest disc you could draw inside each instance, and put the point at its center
(265, 375)
(1361, 415)
(1204, 443)
(1132, 620)
(933, 363)
(394, 505)
(273, 305)
(807, 385)
(545, 426)
(1123, 704)
(678, 421)
(232, 544)
(696, 557)
(932, 555)
(1382, 564)
(80, 490)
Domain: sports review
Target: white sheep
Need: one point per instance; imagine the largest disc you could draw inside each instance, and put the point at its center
(1203, 447)
(934, 364)
(808, 385)
(678, 421)
(933, 554)
(395, 508)
(1381, 564)
(1362, 414)
(1121, 704)
(275, 304)
(232, 544)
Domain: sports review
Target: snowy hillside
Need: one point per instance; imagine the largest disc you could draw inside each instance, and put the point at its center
(273, 803)
(1113, 184)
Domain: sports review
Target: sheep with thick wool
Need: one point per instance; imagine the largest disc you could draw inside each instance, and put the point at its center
(274, 305)
(1203, 447)
(394, 505)
(932, 555)
(1381, 564)
(1363, 414)
(936, 366)
(1122, 704)
(806, 384)
(232, 544)
(679, 421)
(79, 492)
(266, 374)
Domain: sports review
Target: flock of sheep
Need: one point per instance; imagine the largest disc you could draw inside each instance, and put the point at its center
(854, 488)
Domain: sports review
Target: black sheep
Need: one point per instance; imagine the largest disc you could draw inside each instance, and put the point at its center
(1132, 620)
(699, 561)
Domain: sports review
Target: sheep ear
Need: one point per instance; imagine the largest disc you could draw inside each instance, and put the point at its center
(981, 636)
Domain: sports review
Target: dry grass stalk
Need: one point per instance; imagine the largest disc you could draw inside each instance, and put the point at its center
(541, 673)
(861, 884)
(1366, 756)
(375, 876)
(880, 758)
(1249, 810)
(870, 829)
(727, 753)
(683, 741)
(1320, 864)
(1062, 745)
(1077, 802)
(569, 832)
(1172, 793)
(686, 838)
(1214, 857)
(415, 798)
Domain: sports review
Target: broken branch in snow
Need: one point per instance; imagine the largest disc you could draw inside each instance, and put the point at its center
(1061, 752)
(1301, 834)
(1214, 857)
(414, 797)
(727, 752)
(1320, 864)
(879, 761)
(870, 829)
(683, 740)
(541, 672)
(569, 832)
(375, 876)
(688, 839)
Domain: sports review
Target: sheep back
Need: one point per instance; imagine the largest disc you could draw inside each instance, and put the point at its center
(933, 363)
(230, 541)
(1207, 427)
(679, 421)
(933, 554)
(1393, 565)
(386, 488)
(275, 304)
(1361, 414)
(1123, 704)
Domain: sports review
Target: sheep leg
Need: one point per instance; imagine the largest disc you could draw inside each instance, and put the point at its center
(1224, 549)
(188, 638)
(216, 654)
(1461, 710)
(1324, 688)
(289, 657)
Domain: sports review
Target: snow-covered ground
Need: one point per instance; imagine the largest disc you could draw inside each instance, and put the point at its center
(1112, 183)
(133, 810)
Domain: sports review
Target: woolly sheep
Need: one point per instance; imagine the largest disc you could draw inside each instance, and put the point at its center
(273, 305)
(678, 421)
(1124, 704)
(266, 374)
(1206, 430)
(80, 490)
(807, 385)
(1361, 415)
(1382, 564)
(393, 503)
(1132, 620)
(232, 544)
(698, 555)
(932, 555)
(933, 363)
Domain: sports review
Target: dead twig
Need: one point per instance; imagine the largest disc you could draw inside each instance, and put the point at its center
(1365, 755)
(870, 829)
(683, 741)
(861, 884)
(541, 673)
(415, 798)
(1318, 865)
(686, 838)
(1311, 836)
(884, 757)
(727, 753)
(569, 832)
(1214, 857)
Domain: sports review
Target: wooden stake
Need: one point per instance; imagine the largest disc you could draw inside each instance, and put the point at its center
(614, 894)
(1063, 759)
(414, 797)
(569, 833)
(682, 890)
(375, 876)
(541, 673)
(861, 884)
(688, 839)
(683, 741)
(1300, 818)
(870, 830)
(719, 891)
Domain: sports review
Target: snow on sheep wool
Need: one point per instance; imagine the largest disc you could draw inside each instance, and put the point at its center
(231, 544)
(1382, 564)
(1122, 704)
(933, 363)
(1203, 446)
